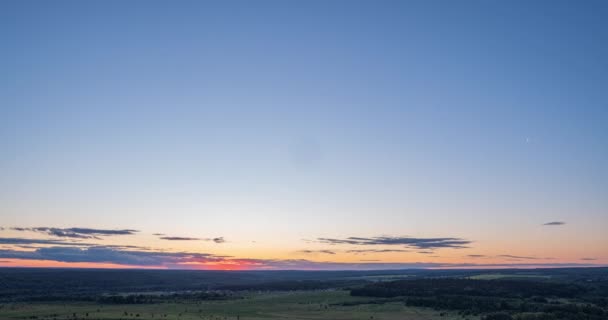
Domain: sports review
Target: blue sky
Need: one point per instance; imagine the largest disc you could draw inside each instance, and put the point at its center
(272, 123)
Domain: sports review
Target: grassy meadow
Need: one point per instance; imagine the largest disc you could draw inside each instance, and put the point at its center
(285, 305)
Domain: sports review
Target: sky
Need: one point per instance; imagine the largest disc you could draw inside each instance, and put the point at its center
(303, 134)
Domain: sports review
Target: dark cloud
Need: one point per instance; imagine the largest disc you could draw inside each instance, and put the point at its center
(554, 223)
(63, 233)
(158, 234)
(25, 241)
(179, 238)
(103, 232)
(110, 255)
(38, 243)
(317, 251)
(219, 240)
(588, 259)
(508, 256)
(426, 252)
(366, 251)
(517, 257)
(216, 240)
(418, 243)
(26, 246)
(78, 233)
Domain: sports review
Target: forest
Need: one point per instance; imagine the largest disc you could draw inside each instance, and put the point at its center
(498, 299)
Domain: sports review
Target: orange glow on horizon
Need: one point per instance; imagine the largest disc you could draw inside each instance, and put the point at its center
(244, 264)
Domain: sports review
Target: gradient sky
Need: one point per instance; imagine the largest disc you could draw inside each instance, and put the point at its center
(287, 127)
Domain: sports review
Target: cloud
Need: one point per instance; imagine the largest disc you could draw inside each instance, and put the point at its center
(110, 255)
(517, 257)
(216, 239)
(317, 251)
(26, 246)
(189, 260)
(158, 234)
(25, 241)
(588, 259)
(366, 251)
(103, 232)
(78, 233)
(554, 223)
(219, 240)
(508, 256)
(426, 252)
(418, 243)
(179, 238)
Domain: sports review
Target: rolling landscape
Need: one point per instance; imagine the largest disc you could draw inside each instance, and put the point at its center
(392, 294)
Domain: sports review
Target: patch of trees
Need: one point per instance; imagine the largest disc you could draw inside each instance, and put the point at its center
(175, 297)
(469, 287)
(497, 299)
(294, 285)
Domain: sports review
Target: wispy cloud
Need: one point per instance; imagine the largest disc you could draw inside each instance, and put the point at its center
(366, 251)
(179, 238)
(476, 256)
(109, 255)
(78, 233)
(218, 240)
(316, 251)
(517, 257)
(418, 243)
(554, 223)
(171, 238)
(26, 241)
(589, 259)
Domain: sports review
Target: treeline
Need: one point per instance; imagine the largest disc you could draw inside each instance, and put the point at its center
(294, 285)
(135, 298)
(175, 297)
(497, 299)
(21, 284)
(469, 287)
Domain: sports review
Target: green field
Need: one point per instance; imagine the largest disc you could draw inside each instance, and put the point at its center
(296, 305)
